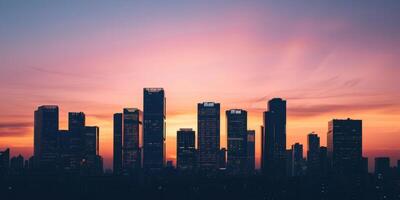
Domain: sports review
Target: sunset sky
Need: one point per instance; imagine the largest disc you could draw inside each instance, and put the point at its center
(328, 59)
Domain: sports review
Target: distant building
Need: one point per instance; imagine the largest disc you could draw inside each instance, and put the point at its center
(289, 162)
(185, 149)
(345, 146)
(4, 162)
(91, 160)
(274, 139)
(208, 125)
(298, 160)
(382, 166)
(222, 158)
(237, 140)
(313, 157)
(45, 137)
(323, 159)
(117, 148)
(76, 121)
(251, 150)
(132, 138)
(17, 164)
(154, 128)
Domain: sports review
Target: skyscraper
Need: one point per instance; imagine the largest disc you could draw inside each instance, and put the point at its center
(117, 154)
(185, 149)
(298, 160)
(45, 137)
(90, 149)
(345, 146)
(251, 150)
(313, 161)
(4, 162)
(274, 139)
(132, 139)
(208, 125)
(76, 139)
(237, 140)
(154, 128)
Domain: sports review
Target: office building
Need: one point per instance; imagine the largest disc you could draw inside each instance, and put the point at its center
(313, 161)
(117, 148)
(344, 143)
(185, 149)
(154, 129)
(45, 137)
(237, 140)
(132, 137)
(208, 124)
(274, 139)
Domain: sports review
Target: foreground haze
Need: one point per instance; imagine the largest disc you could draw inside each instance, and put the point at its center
(329, 60)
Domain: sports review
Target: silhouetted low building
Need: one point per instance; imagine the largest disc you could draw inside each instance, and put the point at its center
(4, 162)
(185, 149)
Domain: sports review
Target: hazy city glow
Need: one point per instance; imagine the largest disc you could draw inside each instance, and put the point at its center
(326, 60)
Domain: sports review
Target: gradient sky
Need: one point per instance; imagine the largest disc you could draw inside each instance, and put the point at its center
(329, 59)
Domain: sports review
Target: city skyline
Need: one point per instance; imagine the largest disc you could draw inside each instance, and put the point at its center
(327, 60)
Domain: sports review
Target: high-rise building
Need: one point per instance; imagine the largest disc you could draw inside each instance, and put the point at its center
(45, 137)
(185, 149)
(4, 162)
(90, 149)
(298, 159)
(154, 129)
(313, 161)
(208, 125)
(117, 154)
(274, 139)
(237, 140)
(76, 121)
(251, 150)
(345, 146)
(382, 166)
(132, 139)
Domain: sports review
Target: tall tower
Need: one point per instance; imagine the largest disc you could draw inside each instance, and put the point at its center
(117, 161)
(154, 128)
(237, 140)
(131, 139)
(274, 139)
(45, 137)
(208, 125)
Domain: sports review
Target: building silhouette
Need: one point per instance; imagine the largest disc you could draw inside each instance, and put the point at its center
(313, 154)
(344, 143)
(117, 148)
(237, 140)
(324, 161)
(132, 138)
(297, 160)
(45, 137)
(274, 139)
(382, 166)
(76, 121)
(154, 129)
(222, 159)
(185, 149)
(4, 162)
(289, 162)
(251, 150)
(17, 164)
(208, 125)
